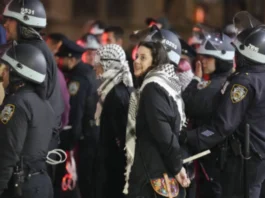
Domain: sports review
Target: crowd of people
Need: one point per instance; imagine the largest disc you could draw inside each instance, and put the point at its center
(122, 122)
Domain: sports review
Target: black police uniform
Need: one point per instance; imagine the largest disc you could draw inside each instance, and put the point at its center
(199, 100)
(53, 93)
(26, 125)
(26, 129)
(241, 101)
(83, 107)
(82, 86)
(199, 96)
(31, 18)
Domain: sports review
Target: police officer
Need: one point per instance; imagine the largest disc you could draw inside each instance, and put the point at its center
(25, 136)
(23, 21)
(216, 55)
(82, 86)
(91, 44)
(240, 101)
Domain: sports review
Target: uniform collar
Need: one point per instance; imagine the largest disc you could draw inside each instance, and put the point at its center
(220, 75)
(251, 69)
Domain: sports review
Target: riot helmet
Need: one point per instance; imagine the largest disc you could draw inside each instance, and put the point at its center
(29, 12)
(186, 49)
(25, 62)
(168, 39)
(250, 39)
(89, 42)
(214, 43)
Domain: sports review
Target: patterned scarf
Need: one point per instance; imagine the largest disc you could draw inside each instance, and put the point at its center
(116, 70)
(185, 78)
(165, 77)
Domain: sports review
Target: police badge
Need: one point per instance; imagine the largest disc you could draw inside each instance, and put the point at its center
(203, 84)
(238, 93)
(7, 113)
(73, 88)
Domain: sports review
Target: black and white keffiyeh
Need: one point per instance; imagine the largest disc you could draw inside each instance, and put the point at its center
(185, 78)
(116, 69)
(166, 77)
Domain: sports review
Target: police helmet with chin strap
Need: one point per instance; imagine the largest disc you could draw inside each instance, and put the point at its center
(28, 12)
(25, 61)
(214, 43)
(250, 40)
(169, 40)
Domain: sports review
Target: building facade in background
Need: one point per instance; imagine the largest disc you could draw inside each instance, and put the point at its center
(70, 16)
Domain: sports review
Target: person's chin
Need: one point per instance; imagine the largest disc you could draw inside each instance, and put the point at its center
(205, 72)
(137, 74)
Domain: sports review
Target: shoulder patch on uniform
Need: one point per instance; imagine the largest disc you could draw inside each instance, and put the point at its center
(238, 93)
(7, 113)
(203, 84)
(73, 87)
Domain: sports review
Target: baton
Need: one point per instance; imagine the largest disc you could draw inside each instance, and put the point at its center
(197, 156)
(68, 127)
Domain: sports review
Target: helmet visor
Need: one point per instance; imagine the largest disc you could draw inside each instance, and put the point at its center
(243, 20)
(151, 33)
(209, 34)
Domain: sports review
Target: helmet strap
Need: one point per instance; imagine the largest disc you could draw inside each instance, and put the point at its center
(27, 33)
